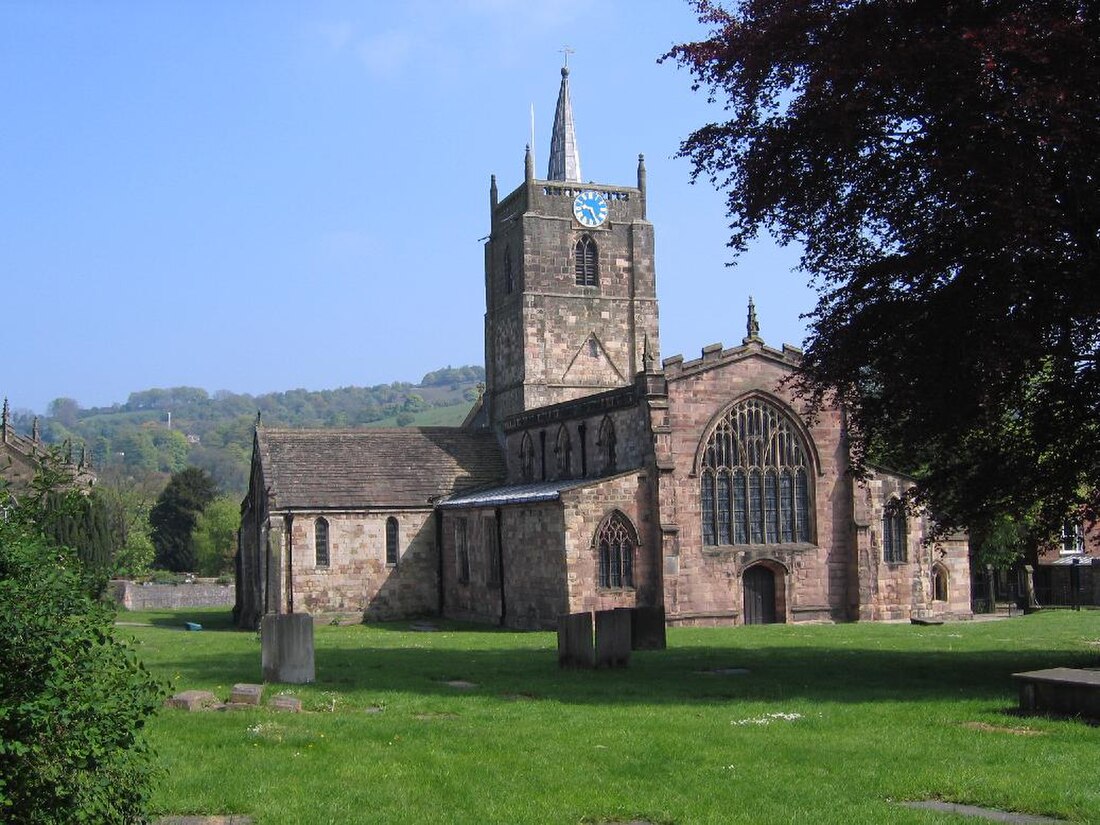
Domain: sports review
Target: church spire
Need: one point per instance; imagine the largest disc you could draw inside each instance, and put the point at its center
(565, 158)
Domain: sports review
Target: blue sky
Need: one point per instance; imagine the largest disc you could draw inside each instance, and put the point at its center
(261, 196)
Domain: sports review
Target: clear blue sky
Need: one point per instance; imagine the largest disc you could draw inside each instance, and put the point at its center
(259, 196)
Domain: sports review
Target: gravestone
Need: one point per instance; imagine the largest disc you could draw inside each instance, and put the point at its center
(647, 628)
(287, 648)
(243, 694)
(575, 640)
(613, 638)
(192, 700)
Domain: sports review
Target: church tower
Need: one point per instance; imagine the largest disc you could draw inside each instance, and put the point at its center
(570, 289)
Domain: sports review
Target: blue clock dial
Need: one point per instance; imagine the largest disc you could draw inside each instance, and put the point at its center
(590, 208)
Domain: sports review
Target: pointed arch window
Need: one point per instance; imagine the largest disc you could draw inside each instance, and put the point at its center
(393, 552)
(586, 259)
(616, 544)
(894, 534)
(605, 440)
(563, 449)
(755, 478)
(939, 583)
(527, 458)
(320, 543)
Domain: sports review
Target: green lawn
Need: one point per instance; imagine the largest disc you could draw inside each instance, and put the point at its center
(831, 724)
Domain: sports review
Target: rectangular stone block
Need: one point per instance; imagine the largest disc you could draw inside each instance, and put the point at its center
(647, 628)
(612, 638)
(287, 648)
(246, 694)
(575, 640)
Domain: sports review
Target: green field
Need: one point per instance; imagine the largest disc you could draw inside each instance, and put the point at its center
(830, 724)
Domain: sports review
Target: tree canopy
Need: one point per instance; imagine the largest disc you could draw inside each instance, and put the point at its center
(938, 161)
(174, 516)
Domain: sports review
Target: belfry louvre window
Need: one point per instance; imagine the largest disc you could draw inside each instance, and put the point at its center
(320, 542)
(894, 532)
(755, 479)
(616, 554)
(587, 262)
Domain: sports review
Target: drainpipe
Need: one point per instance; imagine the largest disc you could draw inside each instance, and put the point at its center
(439, 559)
(500, 564)
(289, 521)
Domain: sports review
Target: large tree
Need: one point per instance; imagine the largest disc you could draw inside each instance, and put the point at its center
(174, 516)
(939, 162)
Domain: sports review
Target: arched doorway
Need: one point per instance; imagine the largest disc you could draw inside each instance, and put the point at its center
(759, 586)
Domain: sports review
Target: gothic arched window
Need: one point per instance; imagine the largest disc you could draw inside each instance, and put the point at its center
(320, 542)
(939, 583)
(615, 543)
(606, 442)
(563, 448)
(586, 260)
(755, 478)
(894, 533)
(392, 534)
(527, 458)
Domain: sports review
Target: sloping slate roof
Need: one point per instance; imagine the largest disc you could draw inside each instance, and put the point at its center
(375, 467)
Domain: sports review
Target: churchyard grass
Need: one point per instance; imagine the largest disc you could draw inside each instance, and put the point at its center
(831, 723)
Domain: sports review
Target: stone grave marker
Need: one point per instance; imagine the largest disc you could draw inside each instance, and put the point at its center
(287, 643)
(613, 638)
(575, 640)
(647, 628)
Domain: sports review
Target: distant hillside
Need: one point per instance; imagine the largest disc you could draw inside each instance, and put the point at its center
(164, 430)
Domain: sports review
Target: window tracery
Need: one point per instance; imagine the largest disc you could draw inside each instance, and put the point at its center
(586, 260)
(755, 479)
(616, 553)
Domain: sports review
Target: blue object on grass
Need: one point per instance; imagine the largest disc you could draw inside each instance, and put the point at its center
(193, 625)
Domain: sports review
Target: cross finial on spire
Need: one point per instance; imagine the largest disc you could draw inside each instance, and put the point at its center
(753, 326)
(565, 50)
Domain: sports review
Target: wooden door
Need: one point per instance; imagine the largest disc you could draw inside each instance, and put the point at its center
(759, 587)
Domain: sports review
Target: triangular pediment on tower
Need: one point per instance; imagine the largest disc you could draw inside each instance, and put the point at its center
(592, 366)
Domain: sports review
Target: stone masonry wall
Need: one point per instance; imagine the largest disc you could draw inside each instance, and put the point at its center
(149, 596)
(585, 509)
(357, 578)
(534, 570)
(704, 585)
(903, 590)
(582, 422)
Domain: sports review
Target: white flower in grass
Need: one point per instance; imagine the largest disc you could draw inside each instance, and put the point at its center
(767, 719)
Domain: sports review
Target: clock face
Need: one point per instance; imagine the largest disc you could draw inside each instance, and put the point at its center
(590, 208)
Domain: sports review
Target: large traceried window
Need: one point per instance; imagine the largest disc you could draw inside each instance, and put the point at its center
(616, 550)
(586, 260)
(755, 479)
(320, 542)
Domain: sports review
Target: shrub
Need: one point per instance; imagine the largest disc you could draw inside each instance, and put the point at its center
(73, 699)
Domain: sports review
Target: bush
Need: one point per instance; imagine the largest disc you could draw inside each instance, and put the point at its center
(73, 699)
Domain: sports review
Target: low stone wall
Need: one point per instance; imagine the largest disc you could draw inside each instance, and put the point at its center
(149, 596)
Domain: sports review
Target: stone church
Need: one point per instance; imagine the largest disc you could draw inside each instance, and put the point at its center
(590, 475)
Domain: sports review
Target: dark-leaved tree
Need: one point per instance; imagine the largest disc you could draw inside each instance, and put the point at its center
(174, 516)
(939, 163)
